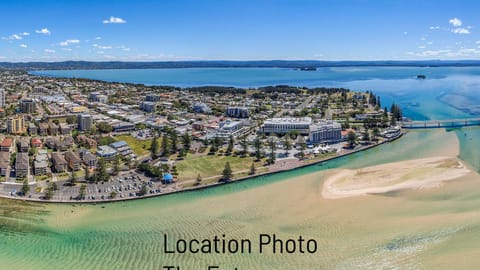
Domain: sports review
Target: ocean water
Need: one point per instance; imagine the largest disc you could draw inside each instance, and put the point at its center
(425, 229)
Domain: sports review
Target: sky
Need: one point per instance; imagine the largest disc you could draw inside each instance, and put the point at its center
(161, 30)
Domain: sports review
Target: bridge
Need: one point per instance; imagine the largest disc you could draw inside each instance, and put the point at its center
(447, 123)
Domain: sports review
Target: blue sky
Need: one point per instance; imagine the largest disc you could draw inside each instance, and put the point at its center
(238, 30)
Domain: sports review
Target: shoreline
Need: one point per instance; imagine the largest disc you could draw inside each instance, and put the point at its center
(215, 184)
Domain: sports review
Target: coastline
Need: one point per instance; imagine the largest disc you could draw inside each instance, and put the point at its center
(212, 185)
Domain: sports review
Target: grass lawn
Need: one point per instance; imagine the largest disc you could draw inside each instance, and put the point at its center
(210, 165)
(140, 148)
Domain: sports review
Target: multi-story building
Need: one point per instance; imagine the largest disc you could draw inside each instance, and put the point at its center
(238, 112)
(106, 152)
(2, 97)
(85, 122)
(16, 125)
(325, 132)
(74, 161)
(152, 97)
(4, 163)
(148, 106)
(23, 144)
(59, 162)
(229, 128)
(27, 106)
(40, 164)
(201, 108)
(21, 164)
(286, 125)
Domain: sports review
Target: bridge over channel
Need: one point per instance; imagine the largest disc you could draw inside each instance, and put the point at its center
(447, 123)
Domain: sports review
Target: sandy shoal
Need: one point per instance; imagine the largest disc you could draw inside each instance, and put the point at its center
(410, 174)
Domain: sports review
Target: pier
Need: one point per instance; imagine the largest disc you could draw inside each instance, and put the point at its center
(447, 123)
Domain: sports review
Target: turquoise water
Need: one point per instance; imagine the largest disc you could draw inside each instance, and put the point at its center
(418, 98)
(129, 235)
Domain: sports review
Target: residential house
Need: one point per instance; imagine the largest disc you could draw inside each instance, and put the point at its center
(43, 129)
(4, 163)
(6, 145)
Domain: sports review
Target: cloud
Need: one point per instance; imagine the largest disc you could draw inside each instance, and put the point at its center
(114, 20)
(434, 27)
(461, 31)
(405, 33)
(430, 53)
(421, 47)
(455, 22)
(25, 34)
(67, 49)
(69, 41)
(123, 48)
(49, 51)
(102, 47)
(98, 38)
(14, 37)
(43, 31)
(23, 46)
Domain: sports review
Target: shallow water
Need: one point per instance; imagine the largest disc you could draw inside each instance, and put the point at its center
(415, 229)
(350, 232)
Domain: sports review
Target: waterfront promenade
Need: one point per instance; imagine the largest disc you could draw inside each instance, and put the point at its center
(281, 165)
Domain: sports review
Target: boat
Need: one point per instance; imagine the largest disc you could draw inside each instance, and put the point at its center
(421, 77)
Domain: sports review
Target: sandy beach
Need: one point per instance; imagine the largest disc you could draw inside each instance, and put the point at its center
(410, 174)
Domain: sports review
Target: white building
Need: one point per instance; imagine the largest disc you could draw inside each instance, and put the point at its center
(325, 132)
(286, 125)
(85, 122)
(238, 112)
(229, 128)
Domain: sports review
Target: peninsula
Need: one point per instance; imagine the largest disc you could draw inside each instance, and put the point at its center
(67, 140)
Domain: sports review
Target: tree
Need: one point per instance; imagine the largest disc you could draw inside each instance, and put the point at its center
(87, 174)
(165, 148)
(116, 165)
(154, 147)
(72, 179)
(244, 145)
(376, 133)
(187, 141)
(113, 194)
(351, 137)
(48, 193)
(230, 146)
(104, 127)
(25, 187)
(258, 145)
(71, 119)
(102, 174)
(174, 141)
(252, 169)
(198, 180)
(144, 189)
(82, 192)
(272, 157)
(227, 172)
(213, 148)
(287, 144)
(366, 136)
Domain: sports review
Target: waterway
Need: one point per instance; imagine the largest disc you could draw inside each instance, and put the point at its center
(416, 229)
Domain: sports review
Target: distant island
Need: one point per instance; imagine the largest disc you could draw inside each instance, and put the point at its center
(305, 64)
(306, 69)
